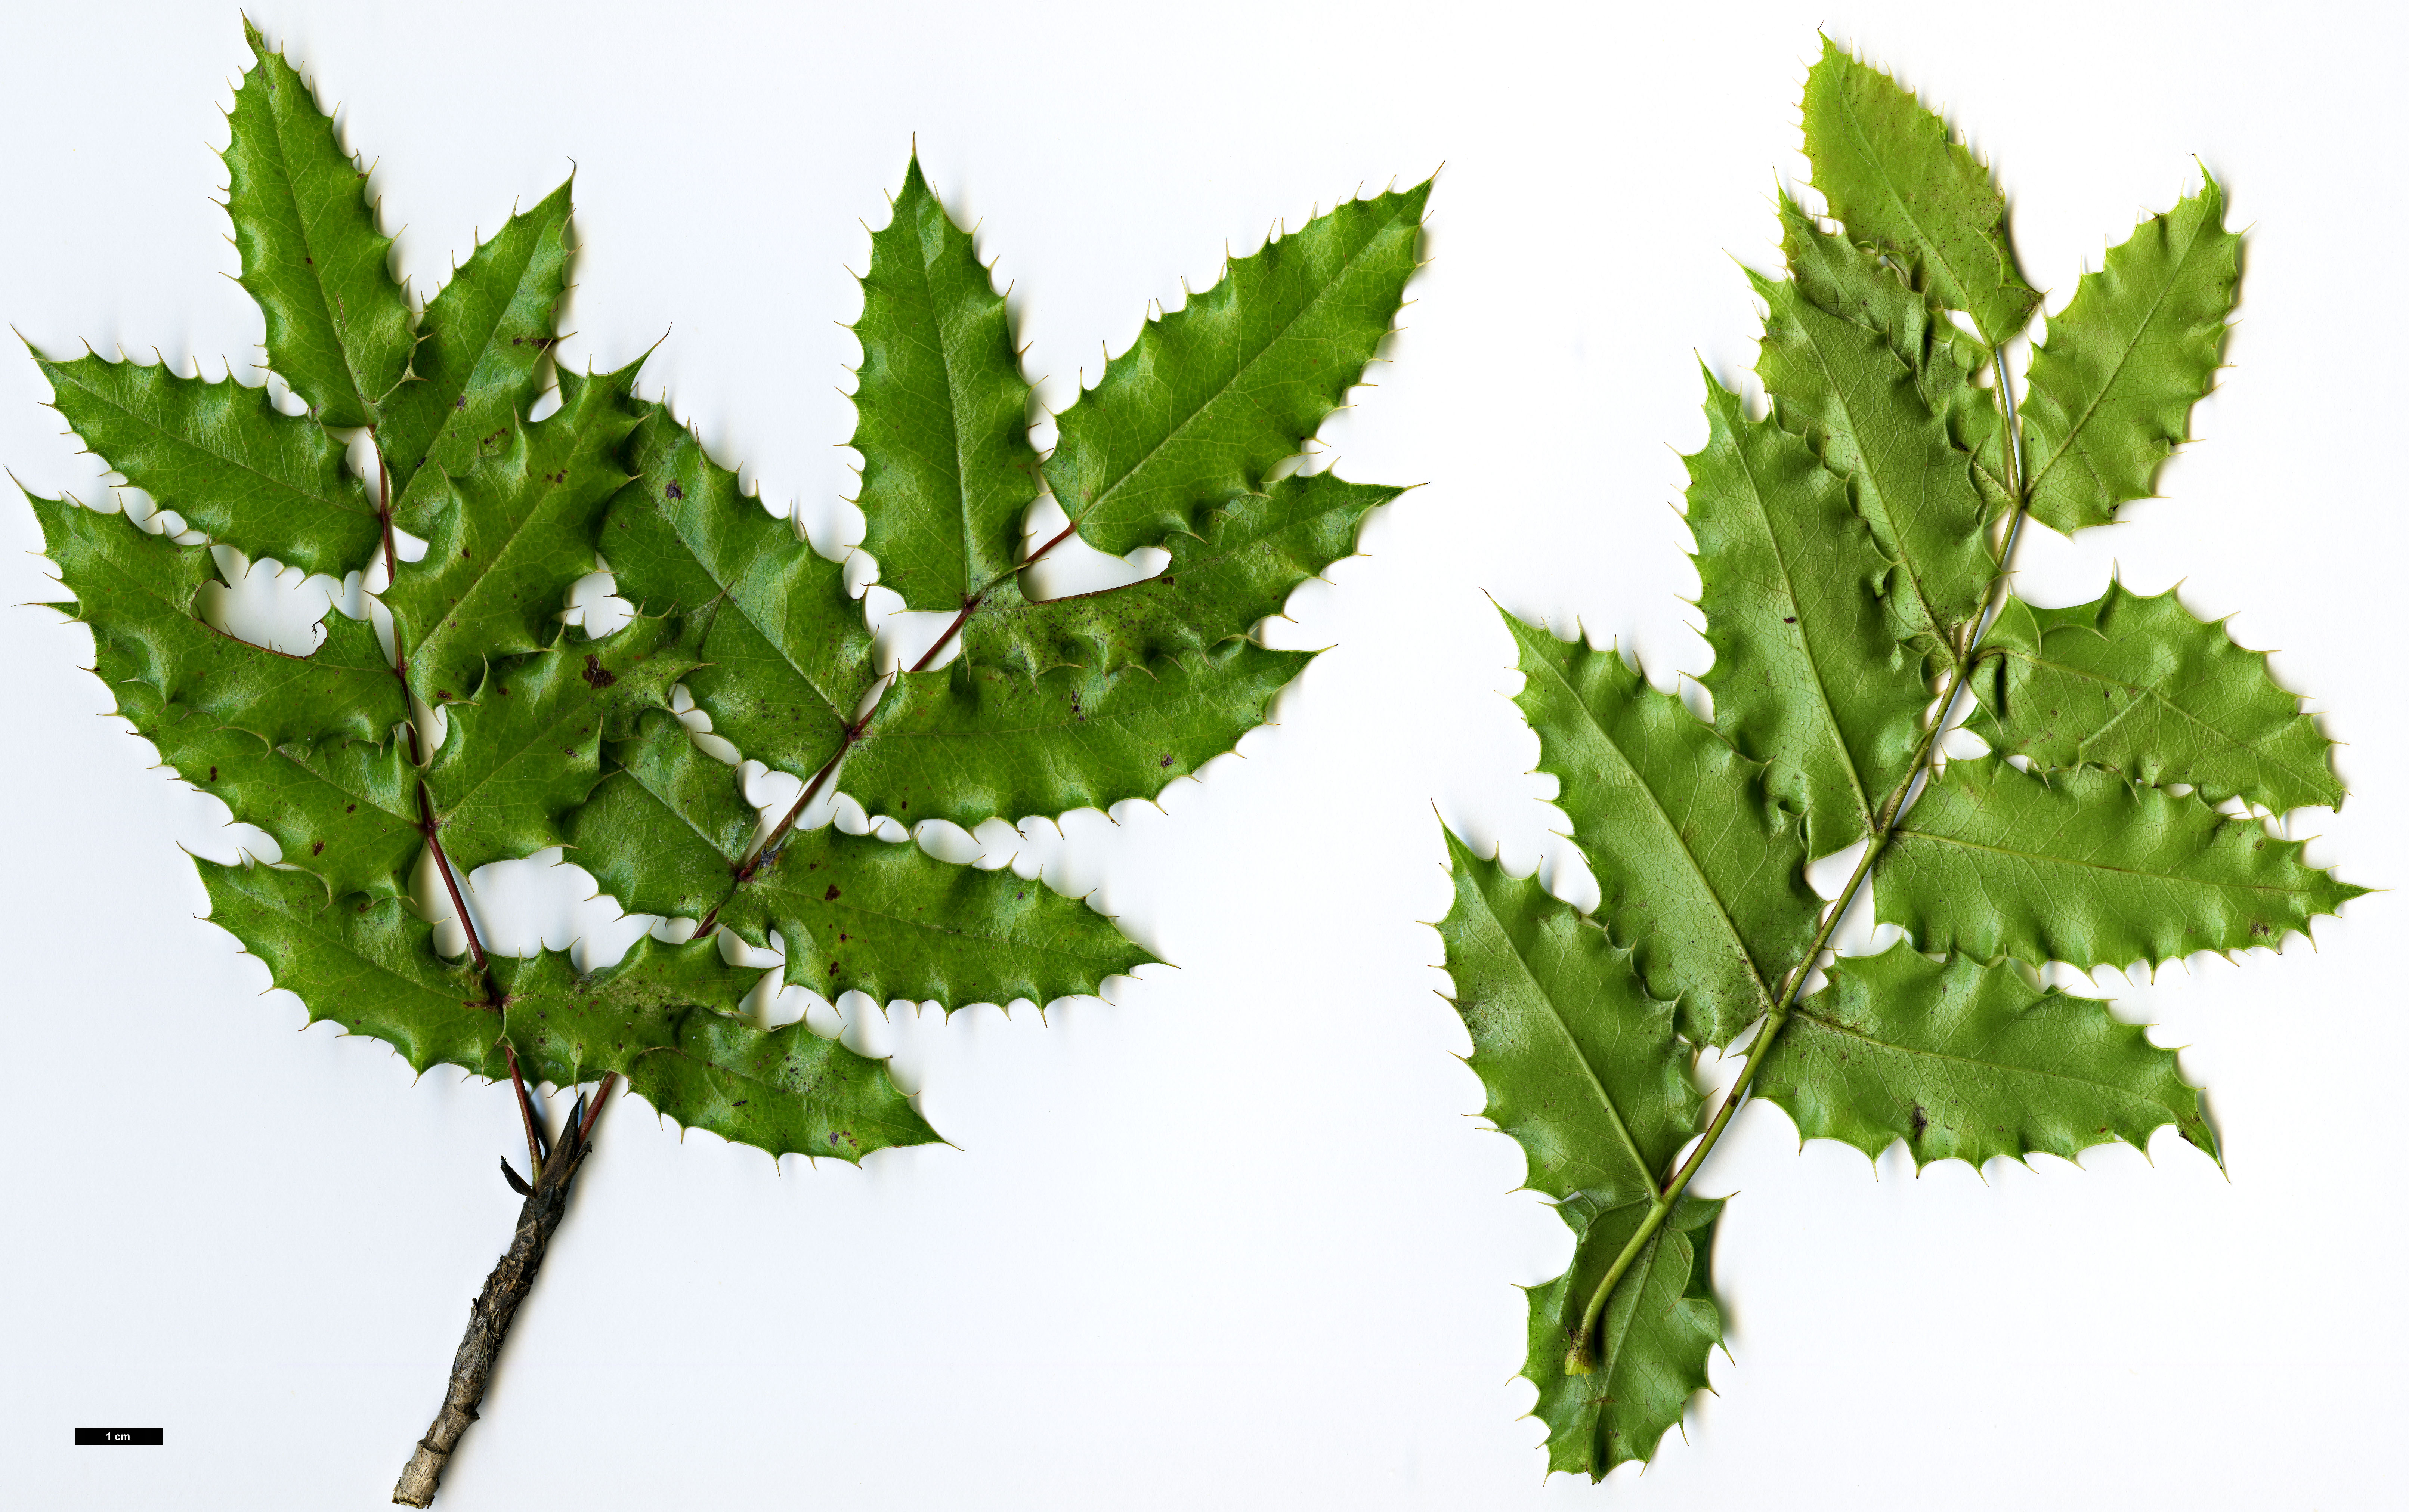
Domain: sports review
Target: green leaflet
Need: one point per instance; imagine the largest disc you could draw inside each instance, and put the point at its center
(1653, 1342)
(508, 535)
(1965, 1061)
(2113, 382)
(856, 913)
(947, 472)
(1581, 1065)
(2088, 869)
(367, 964)
(140, 593)
(971, 743)
(656, 1019)
(1874, 417)
(338, 324)
(528, 749)
(663, 830)
(1702, 874)
(1211, 396)
(221, 457)
(1584, 1072)
(1886, 166)
(480, 344)
(2140, 686)
(860, 915)
(1235, 572)
(788, 657)
(1848, 552)
(1808, 676)
(345, 809)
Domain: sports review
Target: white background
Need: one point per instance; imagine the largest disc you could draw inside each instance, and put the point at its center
(1234, 1237)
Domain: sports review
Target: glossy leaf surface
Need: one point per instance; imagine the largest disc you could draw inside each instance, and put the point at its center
(223, 457)
(947, 470)
(339, 325)
(1211, 396)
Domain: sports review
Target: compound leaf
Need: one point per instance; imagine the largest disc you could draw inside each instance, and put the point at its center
(2089, 869)
(2114, 380)
(1210, 397)
(1965, 1061)
(1807, 675)
(947, 470)
(1886, 166)
(141, 595)
(1849, 550)
(223, 457)
(338, 326)
(1701, 871)
(2137, 685)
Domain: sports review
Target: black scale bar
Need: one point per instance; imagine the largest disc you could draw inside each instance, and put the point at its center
(121, 1436)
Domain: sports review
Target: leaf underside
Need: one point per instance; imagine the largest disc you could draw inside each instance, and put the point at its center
(1847, 551)
(554, 737)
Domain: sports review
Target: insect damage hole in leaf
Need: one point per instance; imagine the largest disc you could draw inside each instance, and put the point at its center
(484, 730)
(1855, 550)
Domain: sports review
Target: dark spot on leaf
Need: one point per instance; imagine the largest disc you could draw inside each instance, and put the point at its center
(1166, 761)
(460, 403)
(832, 895)
(1920, 1120)
(1789, 619)
(596, 674)
(740, 1102)
(674, 491)
(213, 774)
(831, 968)
(463, 553)
(2260, 930)
(832, 1141)
(317, 845)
